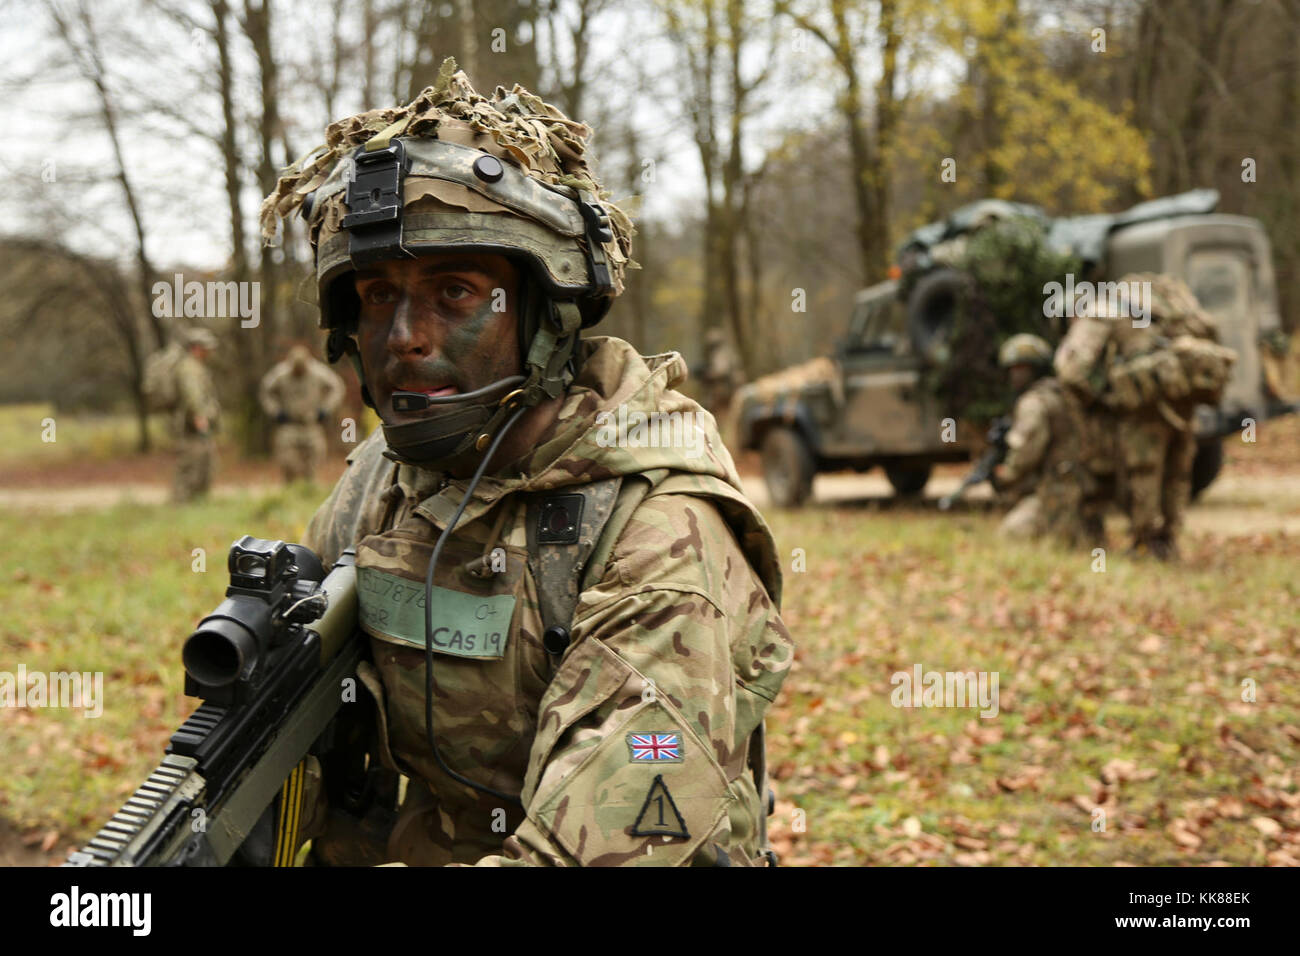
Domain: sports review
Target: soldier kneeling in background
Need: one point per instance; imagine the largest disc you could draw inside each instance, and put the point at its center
(1038, 474)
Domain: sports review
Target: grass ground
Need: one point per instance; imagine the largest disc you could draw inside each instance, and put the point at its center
(115, 591)
(36, 434)
(1121, 690)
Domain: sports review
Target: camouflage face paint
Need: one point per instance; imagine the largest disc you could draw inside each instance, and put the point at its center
(445, 320)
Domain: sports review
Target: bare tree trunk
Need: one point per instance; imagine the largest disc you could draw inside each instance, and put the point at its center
(887, 110)
(1289, 115)
(581, 48)
(700, 54)
(754, 260)
(246, 359)
(869, 177)
(370, 23)
(91, 65)
(638, 282)
(707, 139)
(468, 38)
(572, 88)
(257, 24)
(860, 153)
(732, 171)
(108, 283)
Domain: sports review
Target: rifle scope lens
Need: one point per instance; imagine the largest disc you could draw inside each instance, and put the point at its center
(216, 653)
(251, 565)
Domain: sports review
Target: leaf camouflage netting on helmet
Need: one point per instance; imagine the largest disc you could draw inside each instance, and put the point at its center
(534, 135)
(1009, 262)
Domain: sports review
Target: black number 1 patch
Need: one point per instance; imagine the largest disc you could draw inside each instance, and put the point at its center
(659, 815)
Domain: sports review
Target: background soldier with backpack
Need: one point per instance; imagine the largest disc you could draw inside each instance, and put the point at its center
(1144, 380)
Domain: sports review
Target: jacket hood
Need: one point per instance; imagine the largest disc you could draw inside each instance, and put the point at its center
(623, 415)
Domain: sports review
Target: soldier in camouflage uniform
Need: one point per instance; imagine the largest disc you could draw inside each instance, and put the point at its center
(719, 374)
(1039, 473)
(196, 417)
(1140, 381)
(607, 711)
(299, 394)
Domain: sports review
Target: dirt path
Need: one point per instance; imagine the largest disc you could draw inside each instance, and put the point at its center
(1236, 505)
(64, 500)
(79, 485)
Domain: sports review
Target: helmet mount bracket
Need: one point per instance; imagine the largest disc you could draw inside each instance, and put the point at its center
(375, 196)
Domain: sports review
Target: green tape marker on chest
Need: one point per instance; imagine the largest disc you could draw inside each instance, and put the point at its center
(464, 625)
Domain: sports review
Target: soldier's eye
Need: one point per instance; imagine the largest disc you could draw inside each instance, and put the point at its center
(457, 292)
(378, 294)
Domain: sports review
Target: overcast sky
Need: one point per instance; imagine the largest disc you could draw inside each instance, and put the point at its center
(51, 117)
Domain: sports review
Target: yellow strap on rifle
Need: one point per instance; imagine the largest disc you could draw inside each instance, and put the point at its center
(286, 836)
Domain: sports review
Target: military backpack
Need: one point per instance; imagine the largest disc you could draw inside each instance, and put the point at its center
(160, 391)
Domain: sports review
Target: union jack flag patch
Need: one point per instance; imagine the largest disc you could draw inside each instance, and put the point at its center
(655, 748)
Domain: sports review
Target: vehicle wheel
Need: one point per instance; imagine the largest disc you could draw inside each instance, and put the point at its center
(932, 310)
(908, 478)
(787, 467)
(1206, 465)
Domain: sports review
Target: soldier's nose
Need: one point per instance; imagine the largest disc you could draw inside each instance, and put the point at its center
(406, 334)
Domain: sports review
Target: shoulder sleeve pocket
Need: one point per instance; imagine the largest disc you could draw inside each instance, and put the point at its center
(650, 792)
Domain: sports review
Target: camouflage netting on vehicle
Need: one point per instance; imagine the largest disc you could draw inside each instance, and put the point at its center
(787, 383)
(517, 127)
(1009, 262)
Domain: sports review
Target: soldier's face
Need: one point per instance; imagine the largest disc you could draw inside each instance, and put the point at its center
(1021, 377)
(428, 325)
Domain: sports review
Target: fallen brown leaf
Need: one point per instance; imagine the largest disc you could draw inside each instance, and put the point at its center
(1266, 825)
(1182, 834)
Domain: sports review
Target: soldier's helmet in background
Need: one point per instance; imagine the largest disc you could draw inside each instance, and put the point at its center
(1025, 349)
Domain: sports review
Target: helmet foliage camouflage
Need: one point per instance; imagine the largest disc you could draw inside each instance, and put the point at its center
(505, 174)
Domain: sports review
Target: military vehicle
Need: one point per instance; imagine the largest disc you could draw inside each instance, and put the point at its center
(866, 405)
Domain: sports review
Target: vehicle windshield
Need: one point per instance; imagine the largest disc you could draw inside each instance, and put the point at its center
(1221, 282)
(878, 323)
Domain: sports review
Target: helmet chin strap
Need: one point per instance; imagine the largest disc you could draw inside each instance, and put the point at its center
(450, 432)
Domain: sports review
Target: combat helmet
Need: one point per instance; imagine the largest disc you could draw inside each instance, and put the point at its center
(454, 170)
(1025, 349)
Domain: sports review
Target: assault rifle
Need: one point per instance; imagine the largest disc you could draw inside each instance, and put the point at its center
(269, 664)
(996, 440)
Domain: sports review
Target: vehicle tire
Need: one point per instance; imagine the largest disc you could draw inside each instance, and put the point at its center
(908, 478)
(787, 467)
(932, 311)
(1206, 465)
